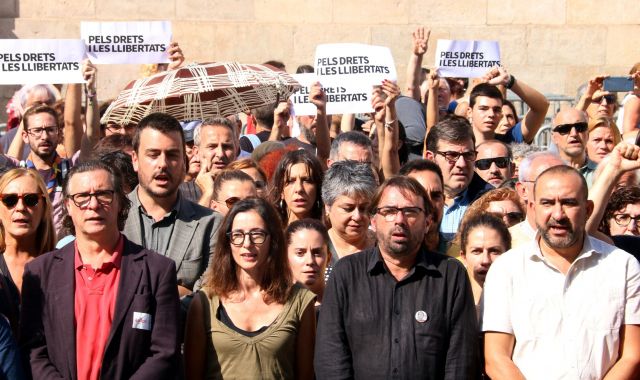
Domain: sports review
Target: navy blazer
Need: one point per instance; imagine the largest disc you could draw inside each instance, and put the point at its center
(147, 285)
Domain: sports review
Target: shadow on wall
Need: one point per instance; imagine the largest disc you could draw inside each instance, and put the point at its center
(9, 12)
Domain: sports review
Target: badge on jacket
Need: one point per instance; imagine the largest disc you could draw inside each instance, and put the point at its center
(141, 321)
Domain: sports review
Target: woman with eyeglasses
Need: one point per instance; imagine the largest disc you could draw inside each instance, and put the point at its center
(347, 191)
(308, 254)
(622, 215)
(250, 320)
(295, 186)
(26, 231)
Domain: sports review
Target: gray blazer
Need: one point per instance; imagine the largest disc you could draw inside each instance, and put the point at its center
(192, 241)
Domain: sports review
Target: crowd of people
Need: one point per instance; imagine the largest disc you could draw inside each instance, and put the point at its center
(428, 239)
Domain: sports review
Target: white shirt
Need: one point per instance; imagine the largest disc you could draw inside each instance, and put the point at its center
(522, 233)
(566, 327)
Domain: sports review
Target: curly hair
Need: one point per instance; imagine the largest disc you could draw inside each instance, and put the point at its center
(619, 200)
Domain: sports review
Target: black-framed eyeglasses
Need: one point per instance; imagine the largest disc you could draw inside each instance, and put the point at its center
(50, 130)
(103, 197)
(389, 212)
(623, 220)
(453, 156)
(563, 129)
(485, 163)
(10, 200)
(230, 201)
(611, 99)
(257, 236)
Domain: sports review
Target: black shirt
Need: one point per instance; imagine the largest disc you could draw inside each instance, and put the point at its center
(373, 327)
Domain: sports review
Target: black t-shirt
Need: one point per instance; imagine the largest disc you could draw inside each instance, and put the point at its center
(247, 146)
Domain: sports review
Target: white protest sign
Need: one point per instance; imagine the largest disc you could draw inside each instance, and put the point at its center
(301, 104)
(41, 61)
(127, 42)
(466, 59)
(348, 73)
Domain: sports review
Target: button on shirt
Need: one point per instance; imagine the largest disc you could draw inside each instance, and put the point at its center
(156, 235)
(374, 327)
(95, 300)
(565, 326)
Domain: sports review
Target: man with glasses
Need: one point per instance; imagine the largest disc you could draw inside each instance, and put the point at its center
(397, 310)
(102, 307)
(564, 305)
(161, 219)
(451, 145)
(570, 134)
(494, 162)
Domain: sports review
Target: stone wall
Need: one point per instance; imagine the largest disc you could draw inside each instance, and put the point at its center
(553, 44)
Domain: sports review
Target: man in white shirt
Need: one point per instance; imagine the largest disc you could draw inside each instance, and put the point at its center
(565, 305)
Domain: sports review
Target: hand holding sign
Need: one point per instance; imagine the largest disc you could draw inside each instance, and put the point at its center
(384, 97)
(89, 73)
(420, 42)
(176, 57)
(317, 96)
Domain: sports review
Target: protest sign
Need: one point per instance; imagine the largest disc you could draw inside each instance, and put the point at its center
(348, 72)
(300, 99)
(127, 42)
(466, 59)
(41, 61)
(348, 96)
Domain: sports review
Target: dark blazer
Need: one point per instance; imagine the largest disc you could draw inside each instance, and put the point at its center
(147, 285)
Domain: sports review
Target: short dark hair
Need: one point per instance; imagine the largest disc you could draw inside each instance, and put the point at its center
(484, 89)
(352, 137)
(561, 170)
(405, 185)
(277, 64)
(116, 181)
(36, 109)
(620, 198)
(160, 122)
(305, 69)
(222, 276)
(122, 163)
(485, 220)
(421, 165)
(112, 143)
(264, 115)
(508, 103)
(454, 129)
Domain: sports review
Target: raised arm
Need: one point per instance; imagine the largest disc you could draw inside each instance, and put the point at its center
(17, 145)
(631, 116)
(595, 84)
(73, 118)
(624, 157)
(420, 47)
(92, 134)
(538, 103)
(176, 57)
(280, 117)
(432, 111)
(318, 97)
(387, 127)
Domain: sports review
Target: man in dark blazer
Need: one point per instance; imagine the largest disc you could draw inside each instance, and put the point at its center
(102, 307)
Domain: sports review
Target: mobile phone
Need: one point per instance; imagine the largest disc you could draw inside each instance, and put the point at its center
(618, 84)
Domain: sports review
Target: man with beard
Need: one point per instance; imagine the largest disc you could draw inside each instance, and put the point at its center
(397, 310)
(161, 219)
(566, 305)
(314, 129)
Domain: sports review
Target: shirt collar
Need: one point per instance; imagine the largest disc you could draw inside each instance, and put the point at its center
(135, 201)
(115, 260)
(586, 252)
(376, 262)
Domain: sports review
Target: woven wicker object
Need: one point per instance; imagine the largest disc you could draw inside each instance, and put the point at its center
(199, 91)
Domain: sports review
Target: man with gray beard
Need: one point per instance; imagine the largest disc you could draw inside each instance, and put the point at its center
(565, 305)
(397, 310)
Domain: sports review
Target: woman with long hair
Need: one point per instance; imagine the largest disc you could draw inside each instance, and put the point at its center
(250, 320)
(295, 186)
(26, 231)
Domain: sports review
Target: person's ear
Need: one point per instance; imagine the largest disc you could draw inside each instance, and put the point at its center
(429, 155)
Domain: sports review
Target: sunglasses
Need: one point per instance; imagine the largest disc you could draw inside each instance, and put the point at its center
(609, 98)
(28, 199)
(230, 201)
(513, 217)
(563, 129)
(485, 163)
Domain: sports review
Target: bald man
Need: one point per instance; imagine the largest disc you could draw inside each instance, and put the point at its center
(570, 134)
